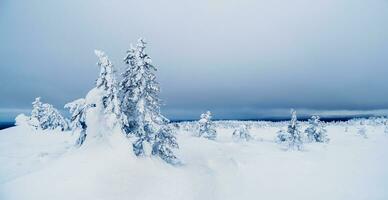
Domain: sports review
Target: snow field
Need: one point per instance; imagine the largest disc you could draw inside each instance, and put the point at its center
(45, 165)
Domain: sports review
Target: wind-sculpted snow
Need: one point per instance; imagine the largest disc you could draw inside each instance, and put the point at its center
(38, 165)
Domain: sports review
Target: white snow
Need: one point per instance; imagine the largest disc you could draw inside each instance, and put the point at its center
(44, 165)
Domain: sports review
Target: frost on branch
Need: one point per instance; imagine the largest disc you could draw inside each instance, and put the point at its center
(206, 127)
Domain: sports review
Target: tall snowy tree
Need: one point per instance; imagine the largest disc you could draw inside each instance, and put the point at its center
(242, 133)
(45, 116)
(107, 82)
(78, 109)
(293, 136)
(316, 132)
(206, 127)
(140, 104)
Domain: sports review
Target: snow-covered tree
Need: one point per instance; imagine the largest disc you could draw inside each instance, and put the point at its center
(316, 132)
(36, 113)
(282, 136)
(78, 109)
(206, 127)
(242, 133)
(140, 105)
(107, 82)
(293, 136)
(45, 116)
(386, 126)
(163, 143)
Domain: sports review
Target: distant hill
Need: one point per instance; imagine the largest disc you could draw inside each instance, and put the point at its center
(4, 125)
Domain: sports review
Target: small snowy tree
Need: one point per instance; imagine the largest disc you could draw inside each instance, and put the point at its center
(45, 116)
(362, 131)
(107, 82)
(36, 113)
(346, 129)
(282, 136)
(163, 143)
(78, 109)
(316, 131)
(242, 133)
(386, 126)
(206, 127)
(293, 136)
(140, 105)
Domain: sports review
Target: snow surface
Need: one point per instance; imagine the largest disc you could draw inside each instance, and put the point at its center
(40, 165)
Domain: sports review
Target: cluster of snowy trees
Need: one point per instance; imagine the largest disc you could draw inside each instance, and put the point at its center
(293, 137)
(207, 129)
(131, 105)
(316, 131)
(242, 134)
(45, 116)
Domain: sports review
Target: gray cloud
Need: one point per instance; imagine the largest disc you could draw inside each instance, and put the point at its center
(236, 57)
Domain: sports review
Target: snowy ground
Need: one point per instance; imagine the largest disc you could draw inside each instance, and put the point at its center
(45, 165)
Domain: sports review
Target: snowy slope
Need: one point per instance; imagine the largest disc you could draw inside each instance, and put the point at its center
(45, 165)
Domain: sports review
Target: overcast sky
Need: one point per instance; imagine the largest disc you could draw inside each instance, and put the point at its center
(241, 58)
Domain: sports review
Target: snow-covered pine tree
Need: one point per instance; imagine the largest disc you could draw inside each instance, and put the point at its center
(206, 127)
(45, 116)
(316, 132)
(107, 82)
(293, 136)
(78, 109)
(36, 113)
(386, 126)
(52, 119)
(242, 133)
(140, 104)
(163, 143)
